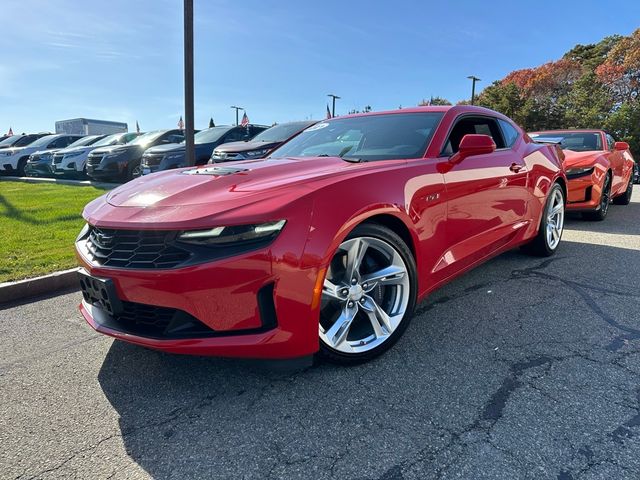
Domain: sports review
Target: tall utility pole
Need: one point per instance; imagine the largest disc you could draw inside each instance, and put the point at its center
(188, 82)
(473, 79)
(333, 103)
(237, 109)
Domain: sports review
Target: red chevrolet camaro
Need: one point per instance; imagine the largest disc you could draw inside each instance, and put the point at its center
(599, 169)
(325, 246)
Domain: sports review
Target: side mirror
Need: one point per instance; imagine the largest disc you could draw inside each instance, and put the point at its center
(474, 144)
(621, 146)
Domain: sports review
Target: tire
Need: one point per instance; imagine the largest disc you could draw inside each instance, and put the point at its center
(546, 241)
(625, 198)
(600, 213)
(134, 170)
(363, 316)
(21, 164)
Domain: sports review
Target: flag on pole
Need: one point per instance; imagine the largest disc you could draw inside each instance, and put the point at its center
(10, 132)
(137, 127)
(211, 123)
(328, 112)
(245, 120)
(180, 123)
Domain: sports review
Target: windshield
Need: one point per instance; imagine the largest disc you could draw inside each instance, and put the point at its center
(43, 141)
(366, 138)
(210, 135)
(10, 140)
(84, 141)
(280, 133)
(578, 141)
(148, 137)
(108, 140)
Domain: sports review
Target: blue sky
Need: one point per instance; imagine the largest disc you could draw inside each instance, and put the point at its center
(122, 60)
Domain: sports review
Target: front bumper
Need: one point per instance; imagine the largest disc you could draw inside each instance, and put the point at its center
(38, 169)
(255, 305)
(584, 191)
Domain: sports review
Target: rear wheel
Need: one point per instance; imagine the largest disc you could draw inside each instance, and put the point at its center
(368, 296)
(600, 213)
(546, 242)
(625, 198)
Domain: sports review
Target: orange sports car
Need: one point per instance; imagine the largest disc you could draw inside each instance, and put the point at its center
(599, 169)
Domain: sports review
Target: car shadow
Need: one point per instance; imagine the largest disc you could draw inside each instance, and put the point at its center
(621, 219)
(449, 378)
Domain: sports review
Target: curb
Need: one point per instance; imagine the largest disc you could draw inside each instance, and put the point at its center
(60, 181)
(32, 287)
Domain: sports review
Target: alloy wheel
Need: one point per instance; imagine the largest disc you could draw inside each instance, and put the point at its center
(555, 219)
(365, 295)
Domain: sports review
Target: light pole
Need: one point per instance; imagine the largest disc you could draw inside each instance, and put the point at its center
(333, 103)
(473, 79)
(188, 83)
(237, 109)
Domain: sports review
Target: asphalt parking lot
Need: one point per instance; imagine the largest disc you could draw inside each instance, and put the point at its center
(523, 368)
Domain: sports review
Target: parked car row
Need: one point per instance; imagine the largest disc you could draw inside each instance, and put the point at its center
(124, 156)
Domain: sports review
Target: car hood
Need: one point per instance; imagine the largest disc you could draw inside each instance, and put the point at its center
(232, 182)
(86, 148)
(169, 147)
(14, 150)
(237, 147)
(573, 159)
(119, 148)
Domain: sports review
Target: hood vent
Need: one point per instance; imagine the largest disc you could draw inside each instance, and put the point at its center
(215, 171)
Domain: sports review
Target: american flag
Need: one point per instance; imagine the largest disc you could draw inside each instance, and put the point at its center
(10, 132)
(180, 123)
(245, 120)
(137, 127)
(328, 112)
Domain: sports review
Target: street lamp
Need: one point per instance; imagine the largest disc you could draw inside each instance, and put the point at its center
(190, 155)
(473, 79)
(237, 109)
(333, 103)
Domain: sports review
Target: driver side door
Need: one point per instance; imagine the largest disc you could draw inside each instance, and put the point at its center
(487, 193)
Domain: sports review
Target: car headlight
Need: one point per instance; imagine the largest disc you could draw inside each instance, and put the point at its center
(579, 172)
(234, 235)
(257, 153)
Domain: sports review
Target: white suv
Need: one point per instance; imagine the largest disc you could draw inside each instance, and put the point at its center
(71, 162)
(13, 160)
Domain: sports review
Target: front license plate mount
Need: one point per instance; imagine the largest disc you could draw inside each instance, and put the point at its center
(100, 292)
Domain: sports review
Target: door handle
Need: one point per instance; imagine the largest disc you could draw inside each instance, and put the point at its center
(515, 168)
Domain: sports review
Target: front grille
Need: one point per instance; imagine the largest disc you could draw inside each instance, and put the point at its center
(57, 157)
(158, 322)
(94, 160)
(135, 248)
(152, 160)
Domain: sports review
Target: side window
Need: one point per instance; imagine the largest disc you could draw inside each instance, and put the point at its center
(510, 133)
(175, 138)
(62, 142)
(472, 125)
(235, 135)
(610, 142)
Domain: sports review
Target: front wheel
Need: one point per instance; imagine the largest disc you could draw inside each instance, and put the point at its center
(134, 170)
(549, 234)
(600, 213)
(368, 296)
(625, 198)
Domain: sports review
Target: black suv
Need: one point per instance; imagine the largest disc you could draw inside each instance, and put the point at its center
(122, 162)
(165, 157)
